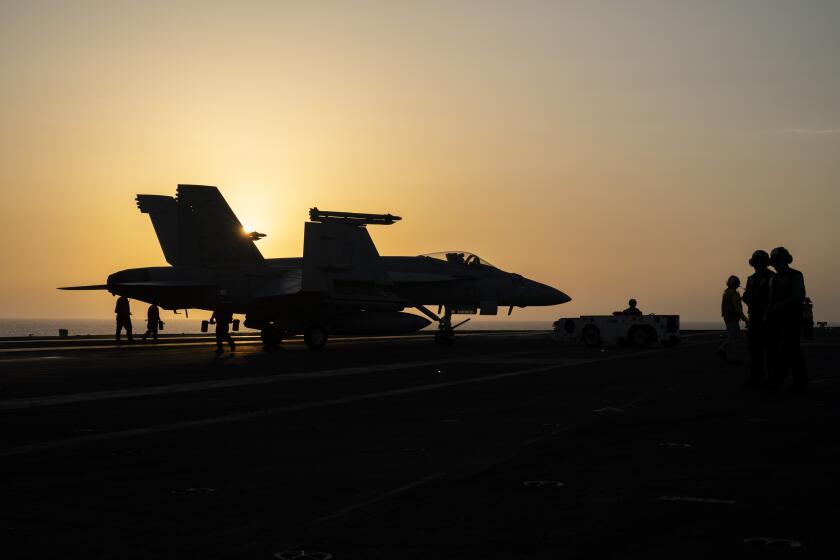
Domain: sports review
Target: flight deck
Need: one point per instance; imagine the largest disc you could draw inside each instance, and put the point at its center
(504, 445)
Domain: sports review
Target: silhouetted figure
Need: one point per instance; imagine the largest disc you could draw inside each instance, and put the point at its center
(223, 316)
(632, 310)
(456, 258)
(152, 322)
(123, 311)
(787, 299)
(733, 313)
(808, 319)
(757, 298)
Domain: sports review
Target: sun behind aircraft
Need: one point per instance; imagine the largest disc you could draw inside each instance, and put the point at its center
(341, 285)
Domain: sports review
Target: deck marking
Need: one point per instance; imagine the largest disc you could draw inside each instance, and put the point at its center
(693, 499)
(549, 435)
(773, 542)
(53, 400)
(263, 413)
(246, 340)
(268, 412)
(31, 359)
(23, 403)
(404, 488)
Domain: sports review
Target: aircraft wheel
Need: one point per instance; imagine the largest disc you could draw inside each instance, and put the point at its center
(640, 337)
(591, 336)
(444, 338)
(315, 337)
(271, 337)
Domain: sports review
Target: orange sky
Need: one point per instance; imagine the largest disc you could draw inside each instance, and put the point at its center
(609, 151)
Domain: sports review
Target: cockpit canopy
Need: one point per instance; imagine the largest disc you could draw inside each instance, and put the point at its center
(459, 257)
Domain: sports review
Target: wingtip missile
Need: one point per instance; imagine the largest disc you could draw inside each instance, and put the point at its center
(317, 215)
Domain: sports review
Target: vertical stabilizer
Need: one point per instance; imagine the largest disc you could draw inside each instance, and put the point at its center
(198, 228)
(336, 251)
(163, 211)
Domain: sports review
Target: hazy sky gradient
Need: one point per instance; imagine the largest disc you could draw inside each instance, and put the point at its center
(611, 149)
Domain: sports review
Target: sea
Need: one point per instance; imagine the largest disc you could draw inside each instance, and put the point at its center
(192, 325)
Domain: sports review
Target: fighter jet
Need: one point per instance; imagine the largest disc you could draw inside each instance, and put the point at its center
(341, 285)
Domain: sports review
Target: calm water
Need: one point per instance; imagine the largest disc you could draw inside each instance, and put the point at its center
(178, 325)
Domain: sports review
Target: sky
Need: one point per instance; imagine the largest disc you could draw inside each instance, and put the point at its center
(610, 149)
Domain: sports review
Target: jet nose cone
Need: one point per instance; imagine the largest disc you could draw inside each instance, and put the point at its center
(559, 297)
(546, 295)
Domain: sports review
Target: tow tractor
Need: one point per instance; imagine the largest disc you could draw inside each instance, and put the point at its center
(640, 331)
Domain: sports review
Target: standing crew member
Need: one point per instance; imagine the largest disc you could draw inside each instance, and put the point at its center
(787, 298)
(123, 311)
(808, 319)
(757, 298)
(223, 316)
(152, 322)
(632, 310)
(733, 314)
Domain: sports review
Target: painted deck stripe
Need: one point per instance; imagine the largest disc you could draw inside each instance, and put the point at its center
(24, 403)
(252, 341)
(36, 402)
(264, 413)
(391, 493)
(268, 412)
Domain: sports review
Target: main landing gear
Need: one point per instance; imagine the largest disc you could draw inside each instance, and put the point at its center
(315, 336)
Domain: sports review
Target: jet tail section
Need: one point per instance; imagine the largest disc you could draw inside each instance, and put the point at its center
(163, 211)
(198, 228)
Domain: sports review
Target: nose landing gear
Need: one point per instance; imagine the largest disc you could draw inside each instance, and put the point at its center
(445, 335)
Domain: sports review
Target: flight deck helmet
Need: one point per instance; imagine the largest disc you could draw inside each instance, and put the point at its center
(760, 258)
(780, 255)
(733, 282)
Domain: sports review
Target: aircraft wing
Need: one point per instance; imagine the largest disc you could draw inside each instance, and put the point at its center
(149, 284)
(167, 284)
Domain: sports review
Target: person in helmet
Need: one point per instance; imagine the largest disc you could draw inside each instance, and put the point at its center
(123, 311)
(784, 314)
(152, 322)
(733, 313)
(757, 298)
(222, 317)
(632, 310)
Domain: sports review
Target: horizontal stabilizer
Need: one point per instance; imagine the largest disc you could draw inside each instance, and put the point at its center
(92, 287)
(198, 228)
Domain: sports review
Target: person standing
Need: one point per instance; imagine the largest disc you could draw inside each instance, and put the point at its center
(632, 309)
(808, 319)
(223, 316)
(787, 299)
(757, 298)
(123, 311)
(733, 313)
(152, 322)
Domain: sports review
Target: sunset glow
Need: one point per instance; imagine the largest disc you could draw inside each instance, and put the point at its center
(612, 150)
